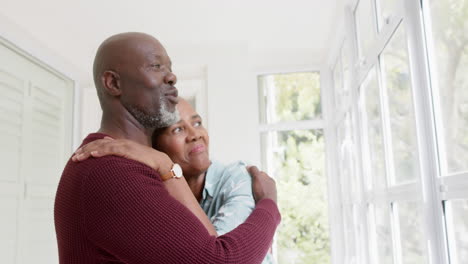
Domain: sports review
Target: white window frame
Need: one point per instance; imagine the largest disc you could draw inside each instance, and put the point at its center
(433, 187)
(314, 124)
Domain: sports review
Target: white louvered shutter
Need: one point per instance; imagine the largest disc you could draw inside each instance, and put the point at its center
(35, 141)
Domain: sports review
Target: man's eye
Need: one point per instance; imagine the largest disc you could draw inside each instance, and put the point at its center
(197, 124)
(177, 130)
(157, 66)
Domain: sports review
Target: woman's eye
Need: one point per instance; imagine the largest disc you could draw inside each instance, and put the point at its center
(157, 66)
(177, 130)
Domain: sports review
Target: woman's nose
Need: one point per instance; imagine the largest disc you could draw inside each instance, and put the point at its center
(193, 134)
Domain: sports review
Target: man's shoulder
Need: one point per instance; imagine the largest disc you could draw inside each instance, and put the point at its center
(110, 175)
(92, 137)
(118, 166)
(107, 168)
(111, 164)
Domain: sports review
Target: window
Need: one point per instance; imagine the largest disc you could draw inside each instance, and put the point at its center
(408, 218)
(457, 229)
(351, 214)
(289, 97)
(373, 131)
(380, 233)
(447, 38)
(388, 139)
(341, 76)
(397, 82)
(292, 143)
(365, 25)
(401, 146)
(386, 11)
(448, 71)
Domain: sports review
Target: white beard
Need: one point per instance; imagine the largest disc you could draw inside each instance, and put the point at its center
(163, 118)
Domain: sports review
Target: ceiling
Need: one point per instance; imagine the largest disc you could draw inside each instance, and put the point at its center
(74, 29)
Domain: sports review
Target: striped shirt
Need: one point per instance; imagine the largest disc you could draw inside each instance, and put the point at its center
(227, 197)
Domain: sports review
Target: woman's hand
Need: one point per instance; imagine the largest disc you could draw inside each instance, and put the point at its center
(125, 148)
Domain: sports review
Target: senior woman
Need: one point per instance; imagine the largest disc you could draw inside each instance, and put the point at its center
(224, 192)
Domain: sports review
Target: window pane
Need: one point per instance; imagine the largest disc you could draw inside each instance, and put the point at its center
(411, 233)
(345, 61)
(347, 159)
(338, 83)
(450, 65)
(372, 124)
(395, 65)
(365, 26)
(457, 229)
(297, 162)
(351, 239)
(386, 10)
(289, 97)
(341, 77)
(382, 233)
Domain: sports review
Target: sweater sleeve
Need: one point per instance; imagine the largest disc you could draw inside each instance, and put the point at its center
(128, 213)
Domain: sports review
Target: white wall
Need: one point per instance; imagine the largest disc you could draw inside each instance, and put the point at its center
(232, 106)
(91, 112)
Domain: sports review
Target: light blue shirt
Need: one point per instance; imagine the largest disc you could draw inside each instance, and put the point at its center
(227, 197)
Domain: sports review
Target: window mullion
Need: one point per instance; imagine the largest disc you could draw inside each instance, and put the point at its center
(426, 137)
(332, 157)
(364, 254)
(386, 127)
(296, 125)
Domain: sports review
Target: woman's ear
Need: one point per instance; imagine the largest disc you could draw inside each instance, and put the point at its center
(111, 83)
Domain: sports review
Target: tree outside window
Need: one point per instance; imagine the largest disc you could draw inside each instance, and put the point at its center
(295, 157)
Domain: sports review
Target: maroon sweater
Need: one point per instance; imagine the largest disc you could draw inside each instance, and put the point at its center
(115, 210)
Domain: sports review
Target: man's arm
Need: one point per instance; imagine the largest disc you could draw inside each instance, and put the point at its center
(132, 216)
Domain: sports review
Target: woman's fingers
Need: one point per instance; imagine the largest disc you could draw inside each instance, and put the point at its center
(97, 148)
(80, 157)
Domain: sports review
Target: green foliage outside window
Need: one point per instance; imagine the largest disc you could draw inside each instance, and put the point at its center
(298, 96)
(303, 235)
(298, 164)
(450, 32)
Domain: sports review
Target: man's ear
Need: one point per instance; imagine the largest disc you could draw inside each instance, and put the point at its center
(111, 83)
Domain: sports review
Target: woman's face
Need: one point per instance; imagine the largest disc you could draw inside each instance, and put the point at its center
(186, 142)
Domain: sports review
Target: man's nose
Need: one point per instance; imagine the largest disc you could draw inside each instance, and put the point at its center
(170, 78)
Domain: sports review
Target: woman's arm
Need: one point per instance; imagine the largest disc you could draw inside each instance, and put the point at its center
(236, 205)
(159, 161)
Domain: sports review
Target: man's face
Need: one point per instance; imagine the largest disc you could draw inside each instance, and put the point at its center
(147, 84)
(186, 142)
